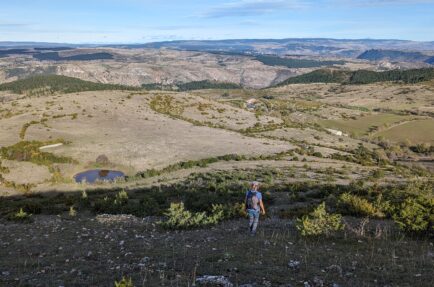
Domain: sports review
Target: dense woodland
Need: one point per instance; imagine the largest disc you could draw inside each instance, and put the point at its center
(54, 56)
(295, 63)
(362, 76)
(394, 55)
(191, 86)
(55, 83)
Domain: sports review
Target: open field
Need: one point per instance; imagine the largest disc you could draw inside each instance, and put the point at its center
(142, 130)
(124, 128)
(199, 150)
(417, 97)
(421, 131)
(364, 125)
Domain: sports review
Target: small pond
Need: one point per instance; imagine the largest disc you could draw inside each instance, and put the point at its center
(92, 176)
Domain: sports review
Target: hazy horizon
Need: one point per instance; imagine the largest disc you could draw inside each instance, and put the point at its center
(222, 39)
(144, 21)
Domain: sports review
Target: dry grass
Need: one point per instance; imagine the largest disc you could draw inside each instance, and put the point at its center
(414, 132)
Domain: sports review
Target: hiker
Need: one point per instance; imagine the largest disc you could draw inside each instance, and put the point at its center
(254, 206)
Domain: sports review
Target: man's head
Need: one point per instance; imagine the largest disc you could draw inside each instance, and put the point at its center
(255, 185)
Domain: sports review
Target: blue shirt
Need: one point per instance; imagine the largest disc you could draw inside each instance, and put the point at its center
(258, 194)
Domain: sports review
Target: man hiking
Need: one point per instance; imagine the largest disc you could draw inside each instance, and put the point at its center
(254, 206)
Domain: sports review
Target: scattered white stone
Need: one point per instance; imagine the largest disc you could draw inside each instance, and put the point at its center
(210, 280)
(50, 146)
(294, 264)
(337, 132)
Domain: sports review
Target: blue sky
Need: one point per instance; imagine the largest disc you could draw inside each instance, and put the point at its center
(139, 21)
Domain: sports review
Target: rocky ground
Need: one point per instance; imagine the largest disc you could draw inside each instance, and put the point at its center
(89, 250)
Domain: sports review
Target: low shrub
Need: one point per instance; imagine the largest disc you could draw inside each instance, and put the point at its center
(29, 151)
(117, 205)
(319, 222)
(180, 218)
(414, 217)
(358, 206)
(3, 169)
(423, 148)
(72, 212)
(124, 282)
(121, 198)
(32, 207)
(377, 174)
(21, 216)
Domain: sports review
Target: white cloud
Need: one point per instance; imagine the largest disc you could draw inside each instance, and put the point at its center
(243, 8)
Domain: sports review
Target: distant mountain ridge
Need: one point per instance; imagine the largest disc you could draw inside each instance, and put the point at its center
(351, 48)
(295, 46)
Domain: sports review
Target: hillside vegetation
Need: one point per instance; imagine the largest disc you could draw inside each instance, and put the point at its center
(430, 61)
(393, 55)
(295, 63)
(56, 83)
(191, 86)
(54, 56)
(362, 77)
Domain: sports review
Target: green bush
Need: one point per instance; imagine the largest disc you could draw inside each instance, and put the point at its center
(120, 204)
(378, 173)
(180, 218)
(413, 217)
(124, 282)
(319, 222)
(29, 151)
(358, 206)
(121, 198)
(72, 212)
(3, 169)
(423, 148)
(21, 216)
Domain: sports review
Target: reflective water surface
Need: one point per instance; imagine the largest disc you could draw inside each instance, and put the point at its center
(92, 176)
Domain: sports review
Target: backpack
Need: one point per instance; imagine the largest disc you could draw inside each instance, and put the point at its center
(252, 201)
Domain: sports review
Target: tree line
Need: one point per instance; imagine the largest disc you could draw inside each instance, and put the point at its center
(411, 76)
(56, 83)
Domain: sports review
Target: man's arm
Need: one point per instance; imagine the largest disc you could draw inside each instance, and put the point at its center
(261, 204)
